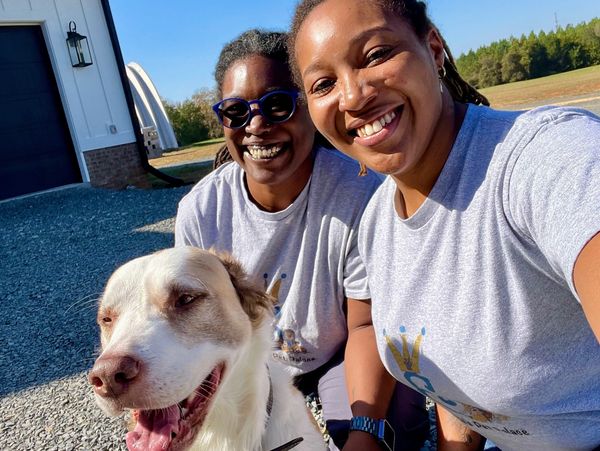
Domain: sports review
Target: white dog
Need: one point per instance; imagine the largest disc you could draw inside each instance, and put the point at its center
(186, 343)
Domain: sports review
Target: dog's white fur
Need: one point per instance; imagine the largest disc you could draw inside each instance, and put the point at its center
(176, 353)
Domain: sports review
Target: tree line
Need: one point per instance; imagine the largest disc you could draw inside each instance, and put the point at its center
(193, 119)
(532, 56)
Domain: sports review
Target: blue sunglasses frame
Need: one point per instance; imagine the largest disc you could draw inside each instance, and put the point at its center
(219, 112)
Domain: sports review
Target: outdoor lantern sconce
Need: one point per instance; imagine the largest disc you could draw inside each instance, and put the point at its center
(79, 49)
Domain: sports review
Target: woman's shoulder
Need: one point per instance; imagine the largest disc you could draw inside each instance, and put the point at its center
(342, 171)
(224, 178)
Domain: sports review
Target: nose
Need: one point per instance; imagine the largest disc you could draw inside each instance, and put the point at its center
(356, 92)
(258, 124)
(111, 376)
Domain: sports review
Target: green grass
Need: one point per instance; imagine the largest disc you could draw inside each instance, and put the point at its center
(207, 142)
(189, 173)
(567, 84)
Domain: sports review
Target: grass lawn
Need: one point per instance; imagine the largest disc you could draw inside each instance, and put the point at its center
(552, 88)
(189, 173)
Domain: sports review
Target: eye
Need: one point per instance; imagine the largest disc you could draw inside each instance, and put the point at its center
(106, 319)
(377, 55)
(323, 86)
(185, 299)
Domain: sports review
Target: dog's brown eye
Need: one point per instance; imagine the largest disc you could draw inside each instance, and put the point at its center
(185, 299)
(107, 320)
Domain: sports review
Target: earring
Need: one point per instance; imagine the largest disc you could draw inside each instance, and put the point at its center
(441, 76)
(363, 170)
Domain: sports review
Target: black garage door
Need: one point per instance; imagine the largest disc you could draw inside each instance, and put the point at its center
(36, 151)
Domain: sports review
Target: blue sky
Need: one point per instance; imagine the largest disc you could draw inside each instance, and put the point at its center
(177, 42)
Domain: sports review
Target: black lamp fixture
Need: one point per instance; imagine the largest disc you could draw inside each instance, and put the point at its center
(79, 49)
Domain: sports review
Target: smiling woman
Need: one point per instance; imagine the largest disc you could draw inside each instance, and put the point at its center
(482, 247)
(289, 209)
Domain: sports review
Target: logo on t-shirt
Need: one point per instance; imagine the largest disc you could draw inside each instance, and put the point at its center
(407, 356)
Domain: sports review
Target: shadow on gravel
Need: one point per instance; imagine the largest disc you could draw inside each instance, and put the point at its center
(56, 252)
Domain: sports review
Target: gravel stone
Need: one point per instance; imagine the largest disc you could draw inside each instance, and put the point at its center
(57, 251)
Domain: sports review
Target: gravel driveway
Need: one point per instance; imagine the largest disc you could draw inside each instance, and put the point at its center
(56, 253)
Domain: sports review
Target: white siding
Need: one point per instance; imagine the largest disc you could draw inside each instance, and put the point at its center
(92, 96)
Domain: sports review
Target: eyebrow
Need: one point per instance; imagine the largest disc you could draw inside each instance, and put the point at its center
(366, 34)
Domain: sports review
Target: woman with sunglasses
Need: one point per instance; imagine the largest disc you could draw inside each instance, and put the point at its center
(288, 209)
(482, 246)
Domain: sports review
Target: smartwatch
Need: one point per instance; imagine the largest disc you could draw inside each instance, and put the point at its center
(380, 429)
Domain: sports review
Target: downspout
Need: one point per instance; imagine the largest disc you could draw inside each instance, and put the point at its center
(139, 139)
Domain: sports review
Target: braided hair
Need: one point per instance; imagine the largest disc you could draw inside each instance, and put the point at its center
(415, 13)
(270, 44)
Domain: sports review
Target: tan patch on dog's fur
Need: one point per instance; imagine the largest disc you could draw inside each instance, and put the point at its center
(254, 300)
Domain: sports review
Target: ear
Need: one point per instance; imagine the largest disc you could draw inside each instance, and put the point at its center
(255, 302)
(435, 43)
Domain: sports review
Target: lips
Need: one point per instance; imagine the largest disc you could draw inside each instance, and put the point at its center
(175, 427)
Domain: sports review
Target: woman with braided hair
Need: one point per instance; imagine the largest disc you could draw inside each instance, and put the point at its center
(482, 246)
(288, 209)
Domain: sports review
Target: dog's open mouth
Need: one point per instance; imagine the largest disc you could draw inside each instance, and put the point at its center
(175, 427)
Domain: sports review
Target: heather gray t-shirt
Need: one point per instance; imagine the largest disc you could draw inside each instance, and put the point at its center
(473, 297)
(306, 255)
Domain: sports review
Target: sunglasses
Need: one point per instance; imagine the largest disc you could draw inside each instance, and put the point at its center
(276, 107)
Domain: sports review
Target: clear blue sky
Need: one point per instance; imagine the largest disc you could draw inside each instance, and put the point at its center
(178, 42)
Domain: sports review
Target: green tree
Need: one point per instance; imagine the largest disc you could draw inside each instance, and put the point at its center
(512, 67)
(187, 121)
(205, 99)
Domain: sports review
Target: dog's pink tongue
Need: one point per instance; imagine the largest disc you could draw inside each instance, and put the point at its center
(154, 428)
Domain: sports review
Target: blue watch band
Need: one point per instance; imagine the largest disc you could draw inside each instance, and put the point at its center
(380, 429)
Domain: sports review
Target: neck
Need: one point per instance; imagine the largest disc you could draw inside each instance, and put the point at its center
(278, 196)
(415, 186)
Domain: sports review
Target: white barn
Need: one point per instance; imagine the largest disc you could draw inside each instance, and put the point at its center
(61, 124)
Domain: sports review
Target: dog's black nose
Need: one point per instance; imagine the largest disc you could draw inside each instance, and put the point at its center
(112, 375)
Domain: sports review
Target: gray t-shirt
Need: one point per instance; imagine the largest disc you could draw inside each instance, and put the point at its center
(305, 256)
(473, 297)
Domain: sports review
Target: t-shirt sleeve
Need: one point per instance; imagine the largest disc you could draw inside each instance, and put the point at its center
(554, 188)
(187, 225)
(355, 274)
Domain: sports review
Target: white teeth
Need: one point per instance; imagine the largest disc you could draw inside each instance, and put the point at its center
(376, 126)
(262, 152)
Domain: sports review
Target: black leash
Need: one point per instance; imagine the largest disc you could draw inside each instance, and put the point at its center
(289, 445)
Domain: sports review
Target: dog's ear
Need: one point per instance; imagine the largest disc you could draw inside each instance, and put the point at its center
(255, 302)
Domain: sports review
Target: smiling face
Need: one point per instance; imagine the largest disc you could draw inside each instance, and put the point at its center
(372, 85)
(273, 156)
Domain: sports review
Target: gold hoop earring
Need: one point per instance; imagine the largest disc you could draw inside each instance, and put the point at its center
(441, 76)
(363, 170)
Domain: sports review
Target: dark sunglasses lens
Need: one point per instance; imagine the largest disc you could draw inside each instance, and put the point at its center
(234, 113)
(278, 107)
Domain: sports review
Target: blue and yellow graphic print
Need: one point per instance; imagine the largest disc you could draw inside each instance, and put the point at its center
(407, 357)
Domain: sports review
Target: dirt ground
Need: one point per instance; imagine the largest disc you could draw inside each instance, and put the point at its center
(188, 155)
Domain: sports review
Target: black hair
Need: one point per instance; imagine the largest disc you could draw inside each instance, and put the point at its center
(415, 13)
(270, 44)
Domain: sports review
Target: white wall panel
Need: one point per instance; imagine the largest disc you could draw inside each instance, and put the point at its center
(92, 96)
